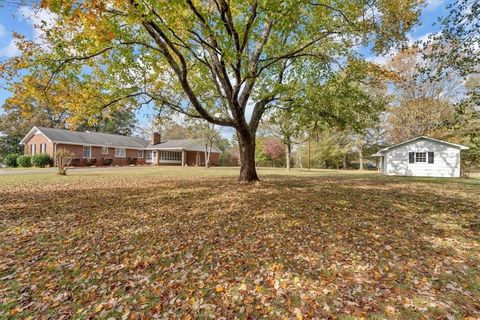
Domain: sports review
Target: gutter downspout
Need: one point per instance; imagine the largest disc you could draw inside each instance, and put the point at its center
(54, 152)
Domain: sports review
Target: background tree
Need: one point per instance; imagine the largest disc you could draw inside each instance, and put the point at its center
(175, 131)
(424, 95)
(203, 58)
(456, 48)
(284, 125)
(207, 134)
(121, 122)
(271, 151)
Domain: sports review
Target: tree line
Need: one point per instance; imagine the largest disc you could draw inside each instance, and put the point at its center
(288, 72)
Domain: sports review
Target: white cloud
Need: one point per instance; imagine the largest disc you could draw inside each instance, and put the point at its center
(431, 5)
(11, 50)
(36, 18)
(3, 32)
(384, 59)
(421, 39)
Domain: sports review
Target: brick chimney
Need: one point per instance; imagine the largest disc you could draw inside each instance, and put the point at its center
(156, 138)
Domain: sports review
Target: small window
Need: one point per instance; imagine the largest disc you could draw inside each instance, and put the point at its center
(120, 153)
(43, 148)
(87, 152)
(33, 149)
(140, 154)
(104, 150)
(420, 157)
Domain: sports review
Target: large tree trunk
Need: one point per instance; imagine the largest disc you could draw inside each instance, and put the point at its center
(360, 158)
(246, 141)
(345, 161)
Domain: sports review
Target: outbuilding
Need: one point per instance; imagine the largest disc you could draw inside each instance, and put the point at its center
(422, 157)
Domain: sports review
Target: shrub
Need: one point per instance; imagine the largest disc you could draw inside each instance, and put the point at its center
(131, 160)
(89, 161)
(11, 160)
(41, 160)
(107, 161)
(63, 159)
(74, 162)
(24, 161)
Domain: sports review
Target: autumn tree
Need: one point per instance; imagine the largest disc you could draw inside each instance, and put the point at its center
(121, 122)
(424, 95)
(207, 134)
(456, 48)
(284, 125)
(212, 59)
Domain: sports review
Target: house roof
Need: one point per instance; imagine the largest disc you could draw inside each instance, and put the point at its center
(381, 151)
(185, 144)
(113, 140)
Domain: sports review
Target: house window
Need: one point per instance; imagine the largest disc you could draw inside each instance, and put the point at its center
(87, 152)
(43, 148)
(148, 155)
(120, 152)
(420, 157)
(104, 150)
(140, 154)
(170, 155)
(33, 148)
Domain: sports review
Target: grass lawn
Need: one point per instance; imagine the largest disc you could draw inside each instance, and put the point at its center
(193, 243)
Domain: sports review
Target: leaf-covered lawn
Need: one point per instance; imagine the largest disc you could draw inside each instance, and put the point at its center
(197, 244)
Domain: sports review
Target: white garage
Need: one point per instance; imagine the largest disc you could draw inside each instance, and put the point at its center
(421, 157)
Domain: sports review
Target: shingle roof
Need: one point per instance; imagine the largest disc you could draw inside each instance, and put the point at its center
(379, 152)
(186, 144)
(114, 140)
(94, 138)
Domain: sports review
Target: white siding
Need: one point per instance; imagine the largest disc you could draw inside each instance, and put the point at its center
(446, 164)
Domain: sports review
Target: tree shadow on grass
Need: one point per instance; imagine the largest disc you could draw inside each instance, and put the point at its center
(325, 246)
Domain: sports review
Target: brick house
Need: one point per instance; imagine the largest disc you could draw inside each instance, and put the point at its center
(96, 148)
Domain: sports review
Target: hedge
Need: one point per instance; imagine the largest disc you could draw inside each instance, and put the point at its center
(24, 161)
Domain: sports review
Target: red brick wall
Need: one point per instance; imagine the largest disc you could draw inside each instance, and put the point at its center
(191, 158)
(96, 153)
(38, 139)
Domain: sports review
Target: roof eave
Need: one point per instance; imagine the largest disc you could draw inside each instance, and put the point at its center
(28, 136)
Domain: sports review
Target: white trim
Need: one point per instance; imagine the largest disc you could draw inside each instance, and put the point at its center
(125, 154)
(89, 151)
(98, 145)
(459, 146)
(31, 133)
(179, 149)
(140, 157)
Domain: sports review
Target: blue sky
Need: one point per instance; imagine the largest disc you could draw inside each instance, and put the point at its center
(23, 19)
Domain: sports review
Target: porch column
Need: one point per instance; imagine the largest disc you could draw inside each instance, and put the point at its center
(184, 156)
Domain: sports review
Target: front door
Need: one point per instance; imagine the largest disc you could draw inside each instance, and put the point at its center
(148, 156)
(155, 157)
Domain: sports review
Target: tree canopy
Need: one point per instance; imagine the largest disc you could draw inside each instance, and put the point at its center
(224, 61)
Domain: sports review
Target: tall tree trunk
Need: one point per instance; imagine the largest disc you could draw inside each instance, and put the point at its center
(360, 158)
(288, 152)
(246, 141)
(207, 157)
(299, 156)
(345, 161)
